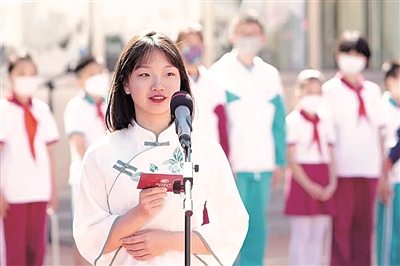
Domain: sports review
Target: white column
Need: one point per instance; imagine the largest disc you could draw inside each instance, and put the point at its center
(97, 39)
(208, 32)
(11, 24)
(314, 34)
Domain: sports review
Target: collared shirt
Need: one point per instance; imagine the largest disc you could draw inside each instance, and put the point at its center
(300, 133)
(81, 117)
(358, 150)
(23, 178)
(111, 169)
(255, 112)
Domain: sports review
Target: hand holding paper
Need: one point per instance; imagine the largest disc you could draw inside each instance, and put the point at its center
(148, 180)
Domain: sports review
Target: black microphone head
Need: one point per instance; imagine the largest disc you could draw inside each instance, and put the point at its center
(180, 98)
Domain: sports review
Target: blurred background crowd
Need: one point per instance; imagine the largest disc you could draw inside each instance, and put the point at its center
(299, 35)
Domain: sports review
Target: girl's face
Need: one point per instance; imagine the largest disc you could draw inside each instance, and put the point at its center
(22, 68)
(311, 87)
(311, 96)
(88, 71)
(151, 86)
(248, 29)
(191, 48)
(248, 39)
(351, 63)
(393, 85)
(95, 80)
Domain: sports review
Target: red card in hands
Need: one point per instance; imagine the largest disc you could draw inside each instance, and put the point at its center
(148, 180)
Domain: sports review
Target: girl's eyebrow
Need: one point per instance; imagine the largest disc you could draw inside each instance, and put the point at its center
(148, 66)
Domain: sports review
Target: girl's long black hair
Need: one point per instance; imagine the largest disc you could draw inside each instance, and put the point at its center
(120, 109)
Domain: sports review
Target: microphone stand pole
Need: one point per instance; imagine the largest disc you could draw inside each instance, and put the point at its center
(188, 201)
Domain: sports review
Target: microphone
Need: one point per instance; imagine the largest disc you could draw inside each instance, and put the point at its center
(181, 109)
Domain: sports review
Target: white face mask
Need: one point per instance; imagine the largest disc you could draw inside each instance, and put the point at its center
(98, 85)
(26, 85)
(350, 64)
(311, 103)
(248, 46)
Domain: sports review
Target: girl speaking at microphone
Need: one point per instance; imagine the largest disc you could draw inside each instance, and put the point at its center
(117, 223)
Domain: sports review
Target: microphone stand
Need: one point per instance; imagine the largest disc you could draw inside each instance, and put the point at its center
(188, 201)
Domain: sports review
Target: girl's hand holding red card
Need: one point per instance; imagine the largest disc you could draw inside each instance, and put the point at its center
(148, 180)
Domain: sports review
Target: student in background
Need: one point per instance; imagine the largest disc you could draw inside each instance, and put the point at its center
(312, 182)
(210, 115)
(84, 119)
(388, 221)
(357, 117)
(28, 133)
(255, 125)
(207, 91)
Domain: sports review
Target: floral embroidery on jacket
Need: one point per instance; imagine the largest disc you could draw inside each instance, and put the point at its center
(174, 164)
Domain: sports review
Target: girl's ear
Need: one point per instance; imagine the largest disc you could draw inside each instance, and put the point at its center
(390, 81)
(126, 88)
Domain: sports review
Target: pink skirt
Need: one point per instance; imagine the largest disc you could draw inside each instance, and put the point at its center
(299, 202)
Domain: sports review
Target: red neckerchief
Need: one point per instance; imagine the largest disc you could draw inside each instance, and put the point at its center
(30, 121)
(100, 113)
(361, 107)
(313, 120)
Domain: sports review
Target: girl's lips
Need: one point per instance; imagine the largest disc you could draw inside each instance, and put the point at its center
(157, 98)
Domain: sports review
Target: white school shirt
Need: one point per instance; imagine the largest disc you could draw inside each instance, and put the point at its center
(207, 94)
(392, 114)
(250, 112)
(80, 117)
(108, 189)
(358, 150)
(300, 132)
(23, 178)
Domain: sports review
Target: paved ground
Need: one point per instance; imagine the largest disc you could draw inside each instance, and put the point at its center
(276, 253)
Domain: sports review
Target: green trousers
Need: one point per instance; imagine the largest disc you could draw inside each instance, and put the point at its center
(388, 230)
(254, 189)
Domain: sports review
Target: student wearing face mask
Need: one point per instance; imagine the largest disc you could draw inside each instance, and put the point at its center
(354, 104)
(207, 91)
(388, 212)
(84, 119)
(255, 125)
(28, 133)
(209, 109)
(312, 178)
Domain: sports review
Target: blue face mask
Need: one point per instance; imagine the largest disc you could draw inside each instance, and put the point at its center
(192, 54)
